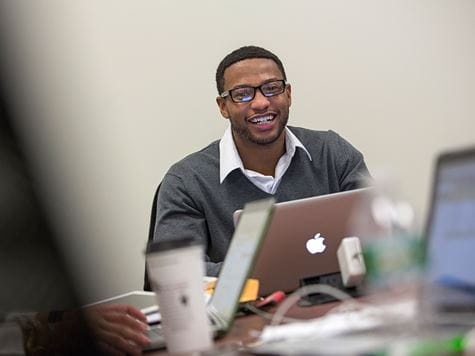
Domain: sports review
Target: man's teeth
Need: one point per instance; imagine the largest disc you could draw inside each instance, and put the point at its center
(262, 119)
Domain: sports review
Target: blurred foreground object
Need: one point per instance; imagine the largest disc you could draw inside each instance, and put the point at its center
(34, 278)
(392, 246)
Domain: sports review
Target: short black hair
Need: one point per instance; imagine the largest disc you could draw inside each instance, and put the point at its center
(240, 54)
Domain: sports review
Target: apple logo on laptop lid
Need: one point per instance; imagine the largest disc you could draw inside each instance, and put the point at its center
(316, 244)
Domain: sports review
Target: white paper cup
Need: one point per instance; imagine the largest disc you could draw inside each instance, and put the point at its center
(176, 271)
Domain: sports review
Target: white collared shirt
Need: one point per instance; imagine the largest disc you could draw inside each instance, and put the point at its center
(229, 160)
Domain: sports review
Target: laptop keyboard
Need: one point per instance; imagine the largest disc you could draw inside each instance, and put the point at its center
(155, 331)
(156, 336)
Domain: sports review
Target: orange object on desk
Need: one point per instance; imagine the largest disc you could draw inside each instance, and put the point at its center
(249, 292)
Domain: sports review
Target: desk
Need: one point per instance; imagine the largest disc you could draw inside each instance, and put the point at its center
(240, 331)
(407, 334)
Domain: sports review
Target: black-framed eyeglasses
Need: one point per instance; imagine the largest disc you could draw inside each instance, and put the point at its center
(246, 94)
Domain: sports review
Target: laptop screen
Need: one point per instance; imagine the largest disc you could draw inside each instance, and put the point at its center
(451, 233)
(240, 257)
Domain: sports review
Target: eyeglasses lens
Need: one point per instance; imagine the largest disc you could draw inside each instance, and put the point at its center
(242, 94)
(272, 88)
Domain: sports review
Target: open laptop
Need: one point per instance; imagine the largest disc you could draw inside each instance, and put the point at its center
(237, 265)
(303, 239)
(450, 236)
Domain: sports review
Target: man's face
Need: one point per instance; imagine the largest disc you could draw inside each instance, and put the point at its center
(262, 120)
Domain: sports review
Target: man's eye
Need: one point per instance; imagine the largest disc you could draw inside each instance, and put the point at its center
(241, 94)
(271, 88)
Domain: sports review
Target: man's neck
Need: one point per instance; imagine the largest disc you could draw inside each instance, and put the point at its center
(262, 158)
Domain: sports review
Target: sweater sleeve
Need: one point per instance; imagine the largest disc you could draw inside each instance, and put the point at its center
(178, 216)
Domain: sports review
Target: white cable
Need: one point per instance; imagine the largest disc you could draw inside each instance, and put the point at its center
(267, 315)
(304, 291)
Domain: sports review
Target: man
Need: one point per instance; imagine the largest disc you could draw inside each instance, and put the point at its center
(258, 156)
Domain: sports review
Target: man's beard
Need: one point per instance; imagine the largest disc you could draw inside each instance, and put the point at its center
(245, 134)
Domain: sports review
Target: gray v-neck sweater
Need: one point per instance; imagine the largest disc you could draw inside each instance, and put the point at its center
(192, 202)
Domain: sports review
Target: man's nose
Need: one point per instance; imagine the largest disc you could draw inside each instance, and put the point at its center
(260, 101)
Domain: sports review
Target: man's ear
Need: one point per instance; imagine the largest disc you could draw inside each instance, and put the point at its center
(288, 92)
(222, 106)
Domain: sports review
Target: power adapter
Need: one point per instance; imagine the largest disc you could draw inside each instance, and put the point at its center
(350, 259)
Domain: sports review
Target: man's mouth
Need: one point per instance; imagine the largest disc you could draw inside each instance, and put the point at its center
(260, 120)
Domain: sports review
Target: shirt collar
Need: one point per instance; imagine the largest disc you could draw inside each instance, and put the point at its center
(229, 158)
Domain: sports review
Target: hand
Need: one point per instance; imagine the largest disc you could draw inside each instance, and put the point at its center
(119, 329)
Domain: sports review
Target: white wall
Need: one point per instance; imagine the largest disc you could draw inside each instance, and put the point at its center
(114, 92)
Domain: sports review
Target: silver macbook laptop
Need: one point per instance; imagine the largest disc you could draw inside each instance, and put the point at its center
(303, 238)
(245, 244)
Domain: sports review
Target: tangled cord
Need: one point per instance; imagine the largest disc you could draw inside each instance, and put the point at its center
(349, 304)
(304, 291)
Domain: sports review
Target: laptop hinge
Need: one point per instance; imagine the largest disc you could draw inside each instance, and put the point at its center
(219, 322)
(331, 279)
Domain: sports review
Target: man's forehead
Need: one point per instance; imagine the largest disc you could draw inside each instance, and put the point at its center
(251, 71)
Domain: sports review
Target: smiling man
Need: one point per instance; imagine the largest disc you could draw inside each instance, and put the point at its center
(257, 157)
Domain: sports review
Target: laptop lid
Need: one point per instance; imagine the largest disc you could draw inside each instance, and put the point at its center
(450, 233)
(303, 238)
(239, 260)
